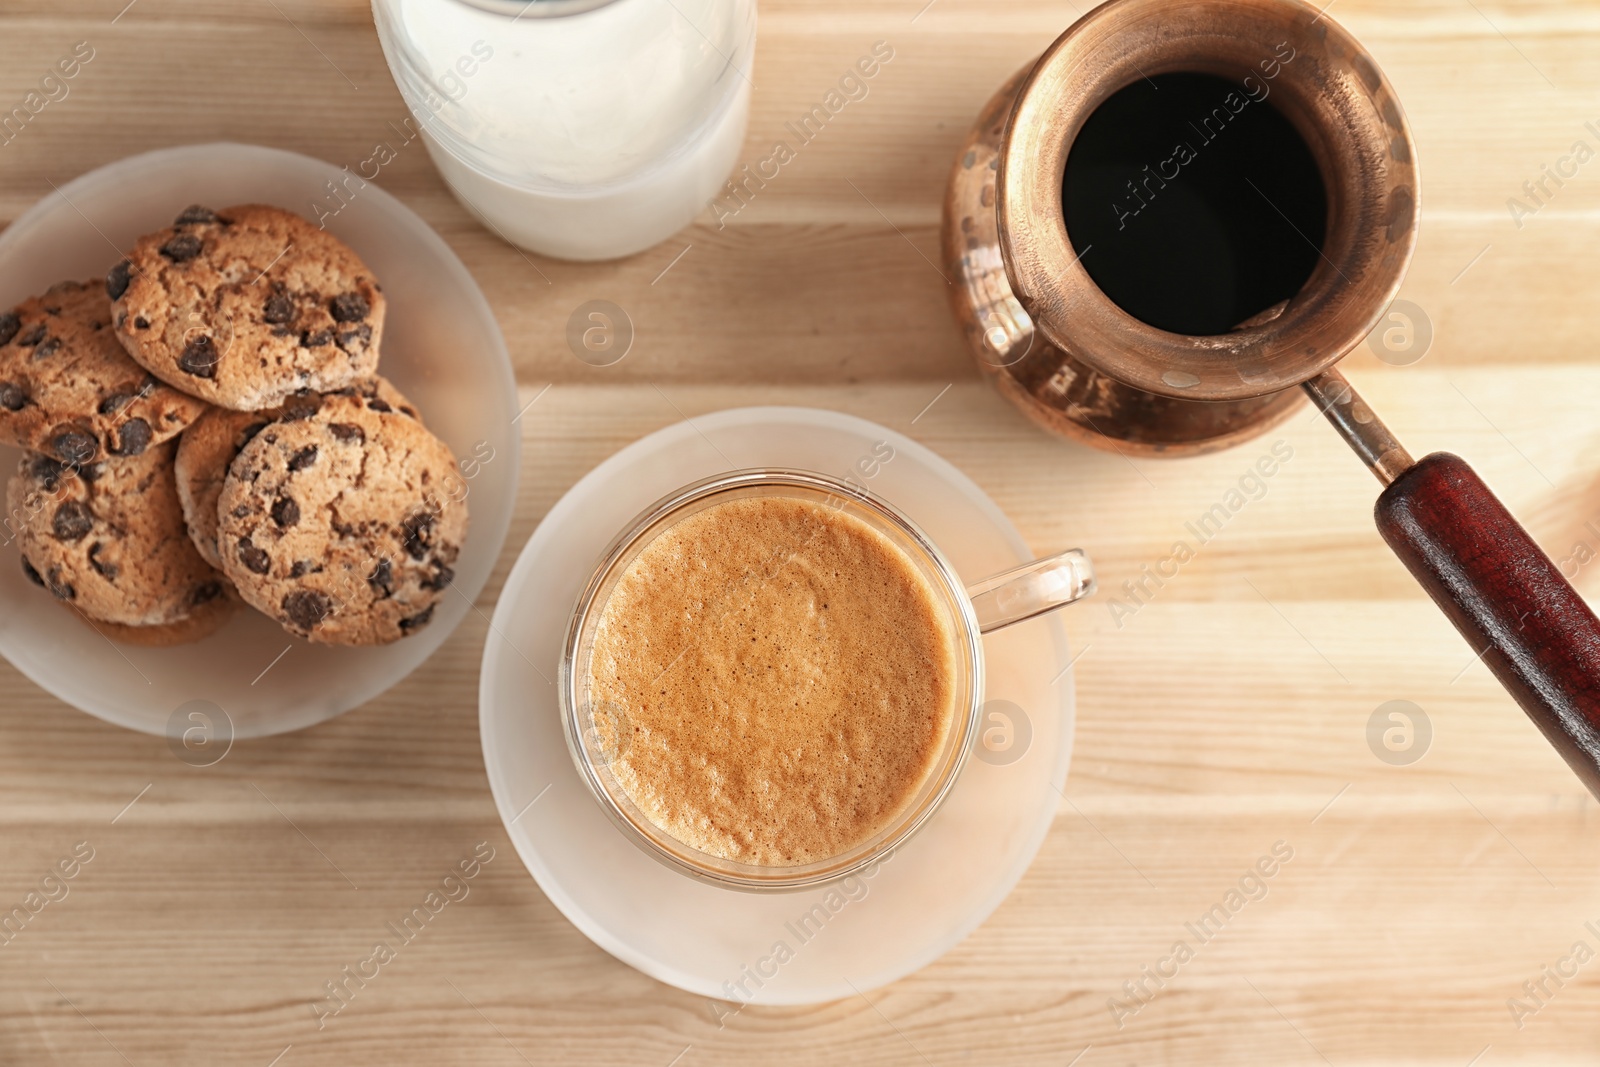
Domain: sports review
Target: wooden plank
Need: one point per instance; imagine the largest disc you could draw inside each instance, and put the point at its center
(1229, 711)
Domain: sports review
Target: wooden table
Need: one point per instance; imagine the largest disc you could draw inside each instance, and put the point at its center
(1229, 713)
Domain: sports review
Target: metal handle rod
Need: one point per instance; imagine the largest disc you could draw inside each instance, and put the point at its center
(1362, 430)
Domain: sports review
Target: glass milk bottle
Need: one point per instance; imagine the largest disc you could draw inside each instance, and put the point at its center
(583, 129)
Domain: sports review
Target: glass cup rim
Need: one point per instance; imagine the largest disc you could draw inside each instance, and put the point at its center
(661, 846)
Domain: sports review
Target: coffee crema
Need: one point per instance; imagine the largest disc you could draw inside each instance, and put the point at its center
(773, 680)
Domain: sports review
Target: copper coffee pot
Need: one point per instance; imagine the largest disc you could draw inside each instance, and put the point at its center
(1082, 367)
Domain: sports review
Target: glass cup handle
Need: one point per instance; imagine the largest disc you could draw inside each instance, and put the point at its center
(1032, 589)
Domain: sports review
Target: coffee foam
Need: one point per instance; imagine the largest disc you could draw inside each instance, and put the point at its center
(783, 676)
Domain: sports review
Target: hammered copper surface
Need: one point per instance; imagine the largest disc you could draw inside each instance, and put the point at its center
(1057, 392)
(1069, 357)
(1338, 101)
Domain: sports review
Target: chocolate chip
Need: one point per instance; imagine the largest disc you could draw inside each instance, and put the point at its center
(199, 358)
(306, 608)
(317, 339)
(47, 470)
(377, 403)
(117, 280)
(9, 325)
(285, 512)
(108, 571)
(303, 458)
(279, 310)
(253, 558)
(32, 337)
(418, 530)
(360, 336)
(141, 323)
(182, 248)
(301, 568)
(48, 349)
(62, 589)
(417, 621)
(73, 521)
(194, 214)
(346, 431)
(134, 438)
(382, 578)
(13, 397)
(301, 405)
(349, 307)
(206, 593)
(74, 446)
(32, 573)
(114, 403)
(442, 577)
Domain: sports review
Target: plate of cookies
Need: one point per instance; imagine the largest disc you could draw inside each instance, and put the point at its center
(258, 439)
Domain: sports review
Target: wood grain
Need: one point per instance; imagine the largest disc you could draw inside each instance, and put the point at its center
(1227, 713)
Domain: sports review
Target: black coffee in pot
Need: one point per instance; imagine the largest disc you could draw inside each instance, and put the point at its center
(1193, 202)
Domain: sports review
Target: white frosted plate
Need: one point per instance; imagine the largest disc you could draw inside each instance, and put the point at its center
(441, 347)
(934, 890)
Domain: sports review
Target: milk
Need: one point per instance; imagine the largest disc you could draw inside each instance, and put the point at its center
(584, 136)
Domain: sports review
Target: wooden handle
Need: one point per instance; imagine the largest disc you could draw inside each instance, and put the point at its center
(1506, 597)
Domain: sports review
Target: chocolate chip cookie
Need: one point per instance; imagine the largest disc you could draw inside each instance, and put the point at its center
(108, 539)
(344, 526)
(207, 448)
(69, 390)
(205, 620)
(246, 306)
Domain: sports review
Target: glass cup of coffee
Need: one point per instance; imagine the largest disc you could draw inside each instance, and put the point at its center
(773, 677)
